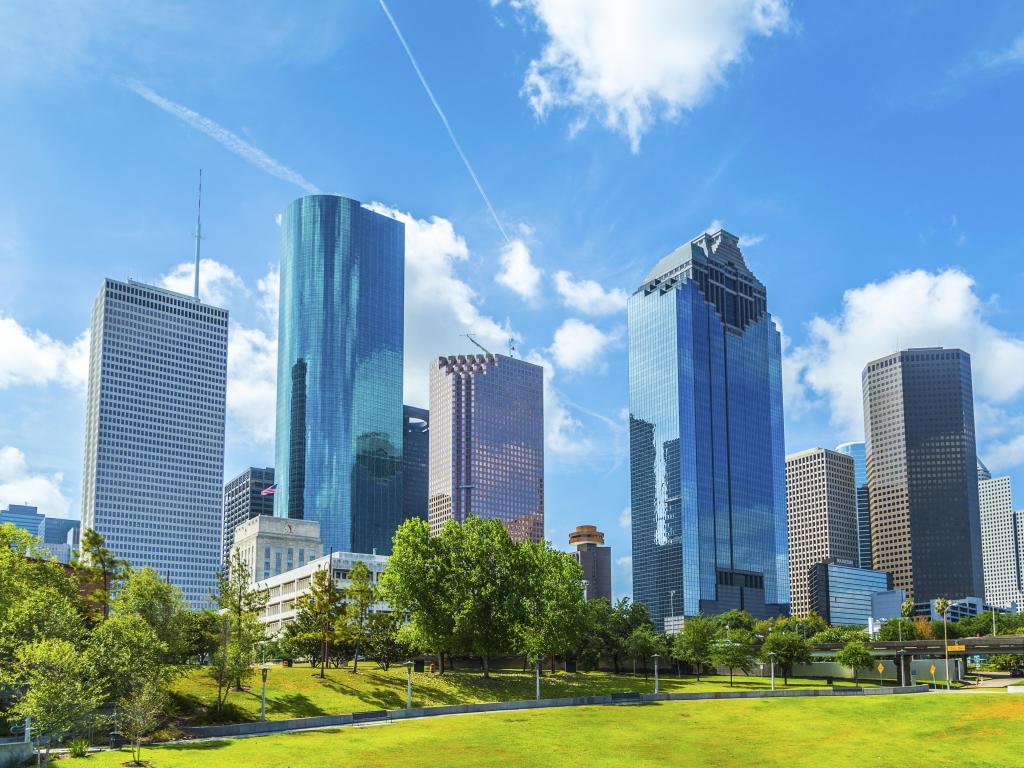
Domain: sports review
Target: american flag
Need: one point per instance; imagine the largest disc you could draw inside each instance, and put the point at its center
(270, 490)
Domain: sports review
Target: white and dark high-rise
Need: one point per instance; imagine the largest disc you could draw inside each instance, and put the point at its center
(1002, 544)
(923, 472)
(154, 435)
(857, 452)
(247, 495)
(487, 443)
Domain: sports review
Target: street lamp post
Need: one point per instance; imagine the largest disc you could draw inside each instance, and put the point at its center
(536, 677)
(672, 602)
(656, 657)
(263, 699)
(771, 658)
(408, 685)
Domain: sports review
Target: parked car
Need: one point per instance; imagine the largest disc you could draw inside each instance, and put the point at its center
(1017, 672)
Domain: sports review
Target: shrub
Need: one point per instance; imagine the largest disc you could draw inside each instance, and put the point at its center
(78, 747)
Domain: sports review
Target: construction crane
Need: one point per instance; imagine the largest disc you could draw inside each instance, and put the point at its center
(476, 343)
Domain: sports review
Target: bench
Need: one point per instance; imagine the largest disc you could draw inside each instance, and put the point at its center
(371, 717)
(626, 698)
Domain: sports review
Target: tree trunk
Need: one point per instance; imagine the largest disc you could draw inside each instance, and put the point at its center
(487, 668)
(730, 677)
(552, 663)
(355, 661)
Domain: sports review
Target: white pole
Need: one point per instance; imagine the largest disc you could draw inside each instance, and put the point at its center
(408, 685)
(655, 673)
(772, 657)
(536, 674)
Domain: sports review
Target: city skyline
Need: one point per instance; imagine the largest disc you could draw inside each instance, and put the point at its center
(585, 215)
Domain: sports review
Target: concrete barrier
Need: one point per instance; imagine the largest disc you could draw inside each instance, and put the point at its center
(1015, 689)
(302, 723)
(15, 753)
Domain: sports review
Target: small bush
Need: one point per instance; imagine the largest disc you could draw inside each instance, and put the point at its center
(78, 747)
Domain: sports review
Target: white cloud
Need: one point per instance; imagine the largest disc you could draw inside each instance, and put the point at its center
(19, 485)
(563, 434)
(33, 358)
(578, 346)
(1002, 456)
(234, 143)
(587, 296)
(1006, 57)
(439, 307)
(910, 309)
(625, 562)
(517, 270)
(746, 241)
(631, 63)
(217, 282)
(626, 519)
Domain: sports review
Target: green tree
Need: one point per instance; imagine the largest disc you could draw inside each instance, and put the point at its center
(233, 660)
(735, 619)
(199, 634)
(735, 649)
(139, 714)
(322, 607)
(626, 617)
(303, 638)
(855, 655)
(789, 648)
(840, 635)
(942, 606)
(125, 653)
(596, 640)
(1007, 662)
(243, 603)
(158, 603)
(58, 689)
(898, 629)
(45, 613)
(101, 572)
(556, 607)
(696, 643)
(641, 644)
(384, 640)
(417, 582)
(360, 595)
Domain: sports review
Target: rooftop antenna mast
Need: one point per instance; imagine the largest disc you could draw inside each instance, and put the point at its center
(476, 343)
(511, 343)
(199, 231)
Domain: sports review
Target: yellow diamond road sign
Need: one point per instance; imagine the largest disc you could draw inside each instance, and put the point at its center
(881, 667)
(931, 670)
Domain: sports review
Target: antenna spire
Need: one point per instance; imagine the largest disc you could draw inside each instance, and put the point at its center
(199, 231)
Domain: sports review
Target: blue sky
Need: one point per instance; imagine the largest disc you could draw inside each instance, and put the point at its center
(869, 155)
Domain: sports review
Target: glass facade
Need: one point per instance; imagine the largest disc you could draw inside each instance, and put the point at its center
(415, 461)
(153, 483)
(858, 453)
(339, 376)
(923, 472)
(707, 462)
(841, 594)
(487, 443)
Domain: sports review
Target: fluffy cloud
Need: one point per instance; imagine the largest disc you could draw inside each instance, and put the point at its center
(439, 307)
(578, 346)
(19, 485)
(626, 519)
(631, 63)
(910, 309)
(746, 241)
(563, 433)
(517, 270)
(33, 358)
(217, 282)
(587, 296)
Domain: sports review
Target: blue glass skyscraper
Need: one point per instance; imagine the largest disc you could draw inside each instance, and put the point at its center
(707, 459)
(339, 372)
(858, 453)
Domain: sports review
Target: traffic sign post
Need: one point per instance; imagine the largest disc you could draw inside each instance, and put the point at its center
(932, 670)
(881, 669)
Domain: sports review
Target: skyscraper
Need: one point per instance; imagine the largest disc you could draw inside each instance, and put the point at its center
(595, 559)
(487, 442)
(243, 500)
(415, 461)
(339, 372)
(707, 459)
(58, 535)
(822, 517)
(1002, 544)
(923, 472)
(154, 431)
(856, 451)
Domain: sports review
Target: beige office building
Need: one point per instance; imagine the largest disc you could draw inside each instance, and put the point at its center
(821, 503)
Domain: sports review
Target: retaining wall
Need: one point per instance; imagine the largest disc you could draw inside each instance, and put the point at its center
(301, 723)
(15, 753)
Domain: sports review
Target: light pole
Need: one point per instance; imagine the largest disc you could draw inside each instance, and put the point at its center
(771, 658)
(942, 608)
(899, 661)
(672, 602)
(408, 685)
(536, 677)
(263, 699)
(993, 621)
(656, 657)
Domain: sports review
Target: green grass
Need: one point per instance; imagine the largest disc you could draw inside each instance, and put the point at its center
(917, 730)
(299, 692)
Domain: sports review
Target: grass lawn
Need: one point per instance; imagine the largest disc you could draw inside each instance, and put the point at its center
(299, 692)
(917, 730)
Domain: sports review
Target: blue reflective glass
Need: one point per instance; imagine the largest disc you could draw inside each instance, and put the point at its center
(339, 382)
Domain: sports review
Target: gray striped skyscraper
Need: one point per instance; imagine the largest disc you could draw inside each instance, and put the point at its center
(154, 433)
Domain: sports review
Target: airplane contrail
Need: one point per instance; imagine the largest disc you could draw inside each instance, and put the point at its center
(253, 155)
(444, 119)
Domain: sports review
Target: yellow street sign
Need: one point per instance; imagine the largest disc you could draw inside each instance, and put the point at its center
(931, 670)
(880, 667)
(953, 648)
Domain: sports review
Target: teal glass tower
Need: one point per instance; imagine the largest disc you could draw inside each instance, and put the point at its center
(707, 460)
(339, 372)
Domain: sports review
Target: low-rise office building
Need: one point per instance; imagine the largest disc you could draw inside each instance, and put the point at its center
(285, 588)
(273, 545)
(959, 608)
(841, 593)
